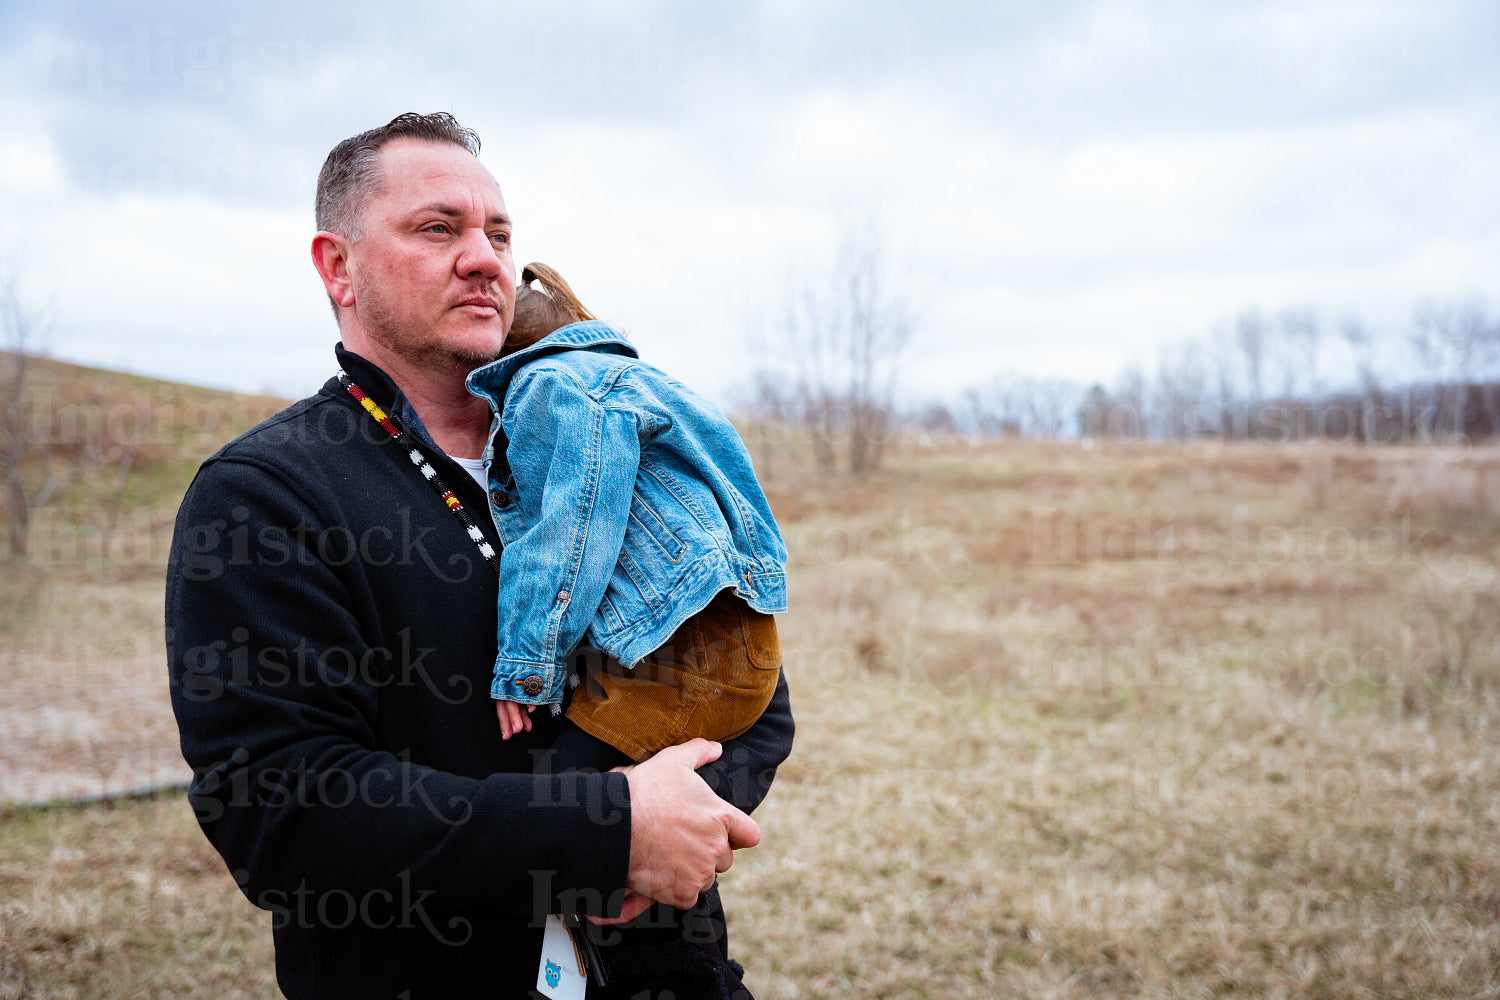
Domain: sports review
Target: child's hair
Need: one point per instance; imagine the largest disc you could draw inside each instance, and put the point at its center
(539, 311)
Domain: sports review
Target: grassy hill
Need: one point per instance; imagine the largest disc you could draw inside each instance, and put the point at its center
(82, 698)
(110, 455)
(1135, 720)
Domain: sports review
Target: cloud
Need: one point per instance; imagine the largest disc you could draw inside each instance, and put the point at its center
(1063, 187)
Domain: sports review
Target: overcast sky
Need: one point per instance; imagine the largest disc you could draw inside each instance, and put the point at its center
(1063, 188)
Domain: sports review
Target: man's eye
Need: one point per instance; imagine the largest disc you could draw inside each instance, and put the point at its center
(436, 227)
(501, 237)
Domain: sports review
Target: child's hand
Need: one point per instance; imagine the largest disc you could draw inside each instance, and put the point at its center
(512, 719)
(635, 905)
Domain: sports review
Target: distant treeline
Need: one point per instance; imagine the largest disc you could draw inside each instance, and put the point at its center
(1261, 379)
(1426, 414)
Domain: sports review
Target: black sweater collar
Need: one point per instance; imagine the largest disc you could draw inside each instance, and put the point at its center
(369, 377)
(383, 390)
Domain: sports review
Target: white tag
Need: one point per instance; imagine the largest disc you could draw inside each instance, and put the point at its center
(558, 975)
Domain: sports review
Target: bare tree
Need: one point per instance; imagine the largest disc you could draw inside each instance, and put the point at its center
(997, 408)
(25, 441)
(1357, 338)
(1455, 344)
(846, 334)
(1130, 416)
(1221, 358)
(1093, 412)
(1250, 332)
(1352, 329)
(805, 333)
(1300, 334)
(1052, 401)
(1179, 393)
(880, 322)
(937, 417)
(1018, 406)
(778, 409)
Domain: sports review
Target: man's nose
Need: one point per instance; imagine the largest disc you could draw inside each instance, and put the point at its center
(477, 256)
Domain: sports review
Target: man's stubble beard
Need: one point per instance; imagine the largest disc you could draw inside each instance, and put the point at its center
(425, 356)
(434, 357)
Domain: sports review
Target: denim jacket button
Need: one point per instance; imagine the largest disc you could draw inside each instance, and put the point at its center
(501, 498)
(532, 685)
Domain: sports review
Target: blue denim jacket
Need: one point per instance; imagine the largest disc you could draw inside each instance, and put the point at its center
(625, 501)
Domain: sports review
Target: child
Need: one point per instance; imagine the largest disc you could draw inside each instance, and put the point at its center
(632, 519)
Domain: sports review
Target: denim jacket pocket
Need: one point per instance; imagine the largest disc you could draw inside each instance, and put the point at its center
(633, 580)
(646, 523)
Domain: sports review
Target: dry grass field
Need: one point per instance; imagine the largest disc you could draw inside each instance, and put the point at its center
(82, 706)
(1139, 721)
(1130, 721)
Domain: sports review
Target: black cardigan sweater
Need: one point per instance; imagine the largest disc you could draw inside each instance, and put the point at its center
(331, 635)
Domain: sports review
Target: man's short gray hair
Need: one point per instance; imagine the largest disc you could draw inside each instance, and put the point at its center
(351, 175)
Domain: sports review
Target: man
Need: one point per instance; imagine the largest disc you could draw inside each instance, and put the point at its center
(331, 629)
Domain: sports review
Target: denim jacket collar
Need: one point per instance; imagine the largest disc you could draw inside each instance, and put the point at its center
(492, 380)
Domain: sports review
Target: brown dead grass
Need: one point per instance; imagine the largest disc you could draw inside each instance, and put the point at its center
(83, 697)
(1139, 721)
(83, 706)
(124, 902)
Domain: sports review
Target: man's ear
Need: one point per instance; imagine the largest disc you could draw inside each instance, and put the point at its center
(330, 254)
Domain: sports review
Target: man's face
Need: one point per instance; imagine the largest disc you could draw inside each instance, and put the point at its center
(433, 277)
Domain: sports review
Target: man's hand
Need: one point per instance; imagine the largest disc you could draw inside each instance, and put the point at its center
(681, 834)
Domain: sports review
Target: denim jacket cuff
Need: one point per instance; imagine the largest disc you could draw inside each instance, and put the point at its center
(516, 679)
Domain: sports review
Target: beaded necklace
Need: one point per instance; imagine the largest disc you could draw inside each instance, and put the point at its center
(430, 474)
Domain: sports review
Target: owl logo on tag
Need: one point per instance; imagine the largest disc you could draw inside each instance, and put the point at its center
(554, 973)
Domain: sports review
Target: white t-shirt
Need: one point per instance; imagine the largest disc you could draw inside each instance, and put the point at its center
(475, 468)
